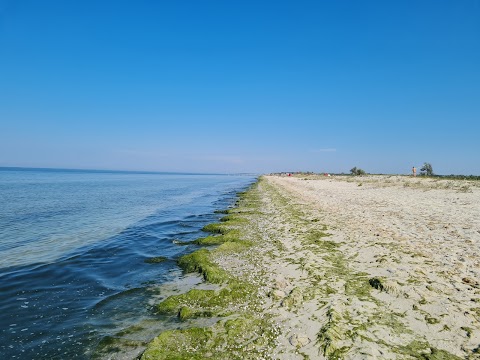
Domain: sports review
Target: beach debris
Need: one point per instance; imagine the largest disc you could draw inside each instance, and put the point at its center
(278, 294)
(330, 334)
(383, 285)
(299, 340)
(469, 281)
(295, 298)
(280, 282)
(376, 284)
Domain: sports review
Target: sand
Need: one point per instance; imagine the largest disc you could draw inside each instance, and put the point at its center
(368, 267)
(397, 276)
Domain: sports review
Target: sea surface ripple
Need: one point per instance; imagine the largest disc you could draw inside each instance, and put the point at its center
(73, 246)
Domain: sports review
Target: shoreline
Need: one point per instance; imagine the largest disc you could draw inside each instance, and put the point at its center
(229, 294)
(335, 269)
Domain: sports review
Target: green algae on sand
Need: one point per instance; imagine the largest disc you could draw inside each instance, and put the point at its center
(242, 331)
(242, 337)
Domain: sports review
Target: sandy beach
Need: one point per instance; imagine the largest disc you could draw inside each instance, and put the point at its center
(415, 241)
(371, 267)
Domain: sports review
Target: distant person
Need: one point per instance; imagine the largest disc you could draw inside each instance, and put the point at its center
(414, 171)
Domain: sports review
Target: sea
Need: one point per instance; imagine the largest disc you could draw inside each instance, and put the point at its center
(76, 251)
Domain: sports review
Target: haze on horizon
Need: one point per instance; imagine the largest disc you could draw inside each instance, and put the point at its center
(241, 86)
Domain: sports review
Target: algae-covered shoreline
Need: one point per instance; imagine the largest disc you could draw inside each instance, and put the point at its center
(313, 268)
(227, 263)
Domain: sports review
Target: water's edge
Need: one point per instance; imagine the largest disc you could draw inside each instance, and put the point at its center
(72, 306)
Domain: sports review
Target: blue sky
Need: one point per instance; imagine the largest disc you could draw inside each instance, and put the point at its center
(241, 86)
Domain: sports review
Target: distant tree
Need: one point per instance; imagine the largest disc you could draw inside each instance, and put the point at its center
(426, 169)
(357, 171)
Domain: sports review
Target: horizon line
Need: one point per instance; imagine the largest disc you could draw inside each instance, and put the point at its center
(122, 171)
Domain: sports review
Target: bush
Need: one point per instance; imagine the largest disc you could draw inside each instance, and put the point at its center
(357, 171)
(427, 169)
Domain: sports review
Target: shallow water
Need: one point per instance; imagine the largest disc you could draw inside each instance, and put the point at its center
(73, 246)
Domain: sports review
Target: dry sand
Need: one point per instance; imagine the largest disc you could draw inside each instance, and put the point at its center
(398, 277)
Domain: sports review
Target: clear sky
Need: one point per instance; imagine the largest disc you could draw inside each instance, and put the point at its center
(241, 86)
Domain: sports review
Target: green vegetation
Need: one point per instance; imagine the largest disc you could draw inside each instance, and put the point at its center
(422, 350)
(215, 228)
(221, 211)
(243, 337)
(240, 333)
(210, 240)
(155, 260)
(458, 177)
(206, 303)
(294, 299)
(228, 236)
(357, 171)
(330, 336)
(426, 169)
(200, 261)
(178, 344)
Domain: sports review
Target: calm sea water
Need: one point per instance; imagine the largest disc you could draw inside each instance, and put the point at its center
(73, 246)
